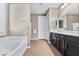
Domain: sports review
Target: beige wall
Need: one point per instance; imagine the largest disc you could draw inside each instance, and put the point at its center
(54, 13)
(19, 20)
(34, 19)
(34, 25)
(70, 20)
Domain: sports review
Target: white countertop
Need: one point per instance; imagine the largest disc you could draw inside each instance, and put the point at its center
(71, 33)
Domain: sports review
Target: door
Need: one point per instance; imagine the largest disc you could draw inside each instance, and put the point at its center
(43, 27)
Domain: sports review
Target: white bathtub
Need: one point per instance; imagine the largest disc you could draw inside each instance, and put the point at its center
(13, 46)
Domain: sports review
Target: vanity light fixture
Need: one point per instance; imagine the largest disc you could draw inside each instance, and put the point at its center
(65, 4)
(62, 6)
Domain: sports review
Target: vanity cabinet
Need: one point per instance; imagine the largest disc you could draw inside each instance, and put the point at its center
(67, 45)
(59, 42)
(53, 38)
(62, 41)
(72, 46)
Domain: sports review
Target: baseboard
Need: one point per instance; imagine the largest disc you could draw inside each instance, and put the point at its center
(34, 39)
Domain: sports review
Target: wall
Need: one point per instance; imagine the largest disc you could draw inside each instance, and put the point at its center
(34, 19)
(53, 14)
(19, 20)
(70, 20)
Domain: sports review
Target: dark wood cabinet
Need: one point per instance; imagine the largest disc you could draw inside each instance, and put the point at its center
(62, 42)
(58, 41)
(66, 44)
(73, 49)
(72, 46)
(53, 38)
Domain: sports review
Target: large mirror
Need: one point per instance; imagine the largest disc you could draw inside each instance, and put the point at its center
(71, 18)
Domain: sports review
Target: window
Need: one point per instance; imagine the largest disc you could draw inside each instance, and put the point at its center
(2, 19)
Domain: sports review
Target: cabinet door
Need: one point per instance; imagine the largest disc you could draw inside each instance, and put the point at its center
(57, 41)
(73, 49)
(72, 46)
(62, 44)
(53, 38)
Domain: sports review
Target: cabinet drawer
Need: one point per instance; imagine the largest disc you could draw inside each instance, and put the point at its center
(72, 38)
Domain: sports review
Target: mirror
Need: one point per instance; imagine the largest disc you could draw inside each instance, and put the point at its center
(58, 23)
(72, 17)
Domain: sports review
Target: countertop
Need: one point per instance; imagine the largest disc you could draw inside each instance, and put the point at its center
(71, 33)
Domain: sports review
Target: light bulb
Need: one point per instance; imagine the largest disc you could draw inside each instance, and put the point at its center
(65, 4)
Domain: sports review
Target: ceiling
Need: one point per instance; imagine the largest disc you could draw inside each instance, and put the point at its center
(41, 8)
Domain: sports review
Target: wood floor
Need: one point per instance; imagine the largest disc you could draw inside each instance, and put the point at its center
(41, 48)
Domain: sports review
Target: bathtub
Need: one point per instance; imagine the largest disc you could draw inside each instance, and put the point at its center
(13, 46)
